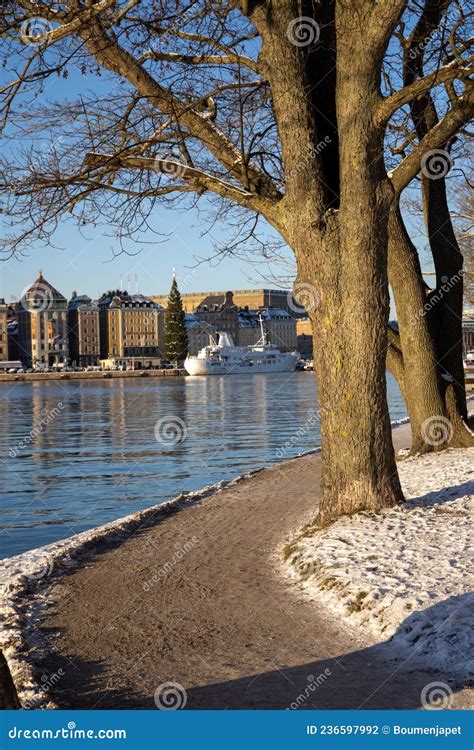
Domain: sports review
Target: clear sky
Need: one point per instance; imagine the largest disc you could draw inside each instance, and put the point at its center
(88, 266)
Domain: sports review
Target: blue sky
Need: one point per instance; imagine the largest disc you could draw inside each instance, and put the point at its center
(88, 265)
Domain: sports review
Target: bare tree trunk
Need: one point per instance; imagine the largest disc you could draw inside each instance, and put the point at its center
(447, 312)
(430, 323)
(432, 405)
(337, 226)
(358, 464)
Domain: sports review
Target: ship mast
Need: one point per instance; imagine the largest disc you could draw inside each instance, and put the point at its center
(262, 330)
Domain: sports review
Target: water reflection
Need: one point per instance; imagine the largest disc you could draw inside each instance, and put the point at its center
(76, 454)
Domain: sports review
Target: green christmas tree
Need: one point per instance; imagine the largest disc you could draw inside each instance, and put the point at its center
(176, 337)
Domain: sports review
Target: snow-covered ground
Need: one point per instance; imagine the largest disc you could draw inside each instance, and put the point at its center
(405, 574)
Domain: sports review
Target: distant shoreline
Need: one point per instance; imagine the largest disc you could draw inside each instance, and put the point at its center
(104, 375)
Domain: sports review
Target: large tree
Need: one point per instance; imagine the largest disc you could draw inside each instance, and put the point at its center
(278, 108)
(426, 357)
(176, 337)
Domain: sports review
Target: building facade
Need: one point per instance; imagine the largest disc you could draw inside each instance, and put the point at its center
(131, 330)
(4, 355)
(249, 328)
(42, 325)
(199, 333)
(304, 338)
(221, 312)
(253, 299)
(280, 327)
(83, 330)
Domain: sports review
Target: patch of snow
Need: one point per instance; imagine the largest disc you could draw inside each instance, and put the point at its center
(398, 422)
(403, 575)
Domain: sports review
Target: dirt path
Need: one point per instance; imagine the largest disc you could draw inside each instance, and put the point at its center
(198, 600)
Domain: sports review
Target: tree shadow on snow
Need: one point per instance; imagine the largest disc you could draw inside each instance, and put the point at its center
(444, 495)
(387, 675)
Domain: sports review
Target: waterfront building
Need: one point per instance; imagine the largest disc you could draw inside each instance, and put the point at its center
(304, 338)
(249, 327)
(253, 299)
(221, 312)
(199, 332)
(83, 330)
(280, 327)
(12, 332)
(278, 324)
(4, 356)
(42, 325)
(256, 299)
(131, 330)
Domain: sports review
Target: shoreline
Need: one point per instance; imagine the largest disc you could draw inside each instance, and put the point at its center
(29, 579)
(104, 375)
(61, 546)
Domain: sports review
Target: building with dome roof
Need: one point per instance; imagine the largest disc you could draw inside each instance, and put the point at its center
(42, 325)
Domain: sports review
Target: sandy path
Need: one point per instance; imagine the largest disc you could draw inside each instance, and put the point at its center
(221, 621)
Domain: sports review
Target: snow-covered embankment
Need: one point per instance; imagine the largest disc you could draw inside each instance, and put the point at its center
(405, 574)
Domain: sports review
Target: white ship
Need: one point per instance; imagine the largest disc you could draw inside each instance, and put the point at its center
(223, 357)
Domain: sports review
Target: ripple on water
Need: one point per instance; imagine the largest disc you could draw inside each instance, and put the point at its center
(97, 457)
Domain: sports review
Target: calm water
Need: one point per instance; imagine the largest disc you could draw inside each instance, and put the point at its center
(78, 454)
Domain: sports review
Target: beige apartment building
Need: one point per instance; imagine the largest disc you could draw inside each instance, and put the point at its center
(131, 330)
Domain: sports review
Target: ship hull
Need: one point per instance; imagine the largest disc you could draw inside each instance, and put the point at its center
(198, 366)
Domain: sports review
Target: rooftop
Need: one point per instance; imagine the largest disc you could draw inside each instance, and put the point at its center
(41, 288)
(119, 298)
